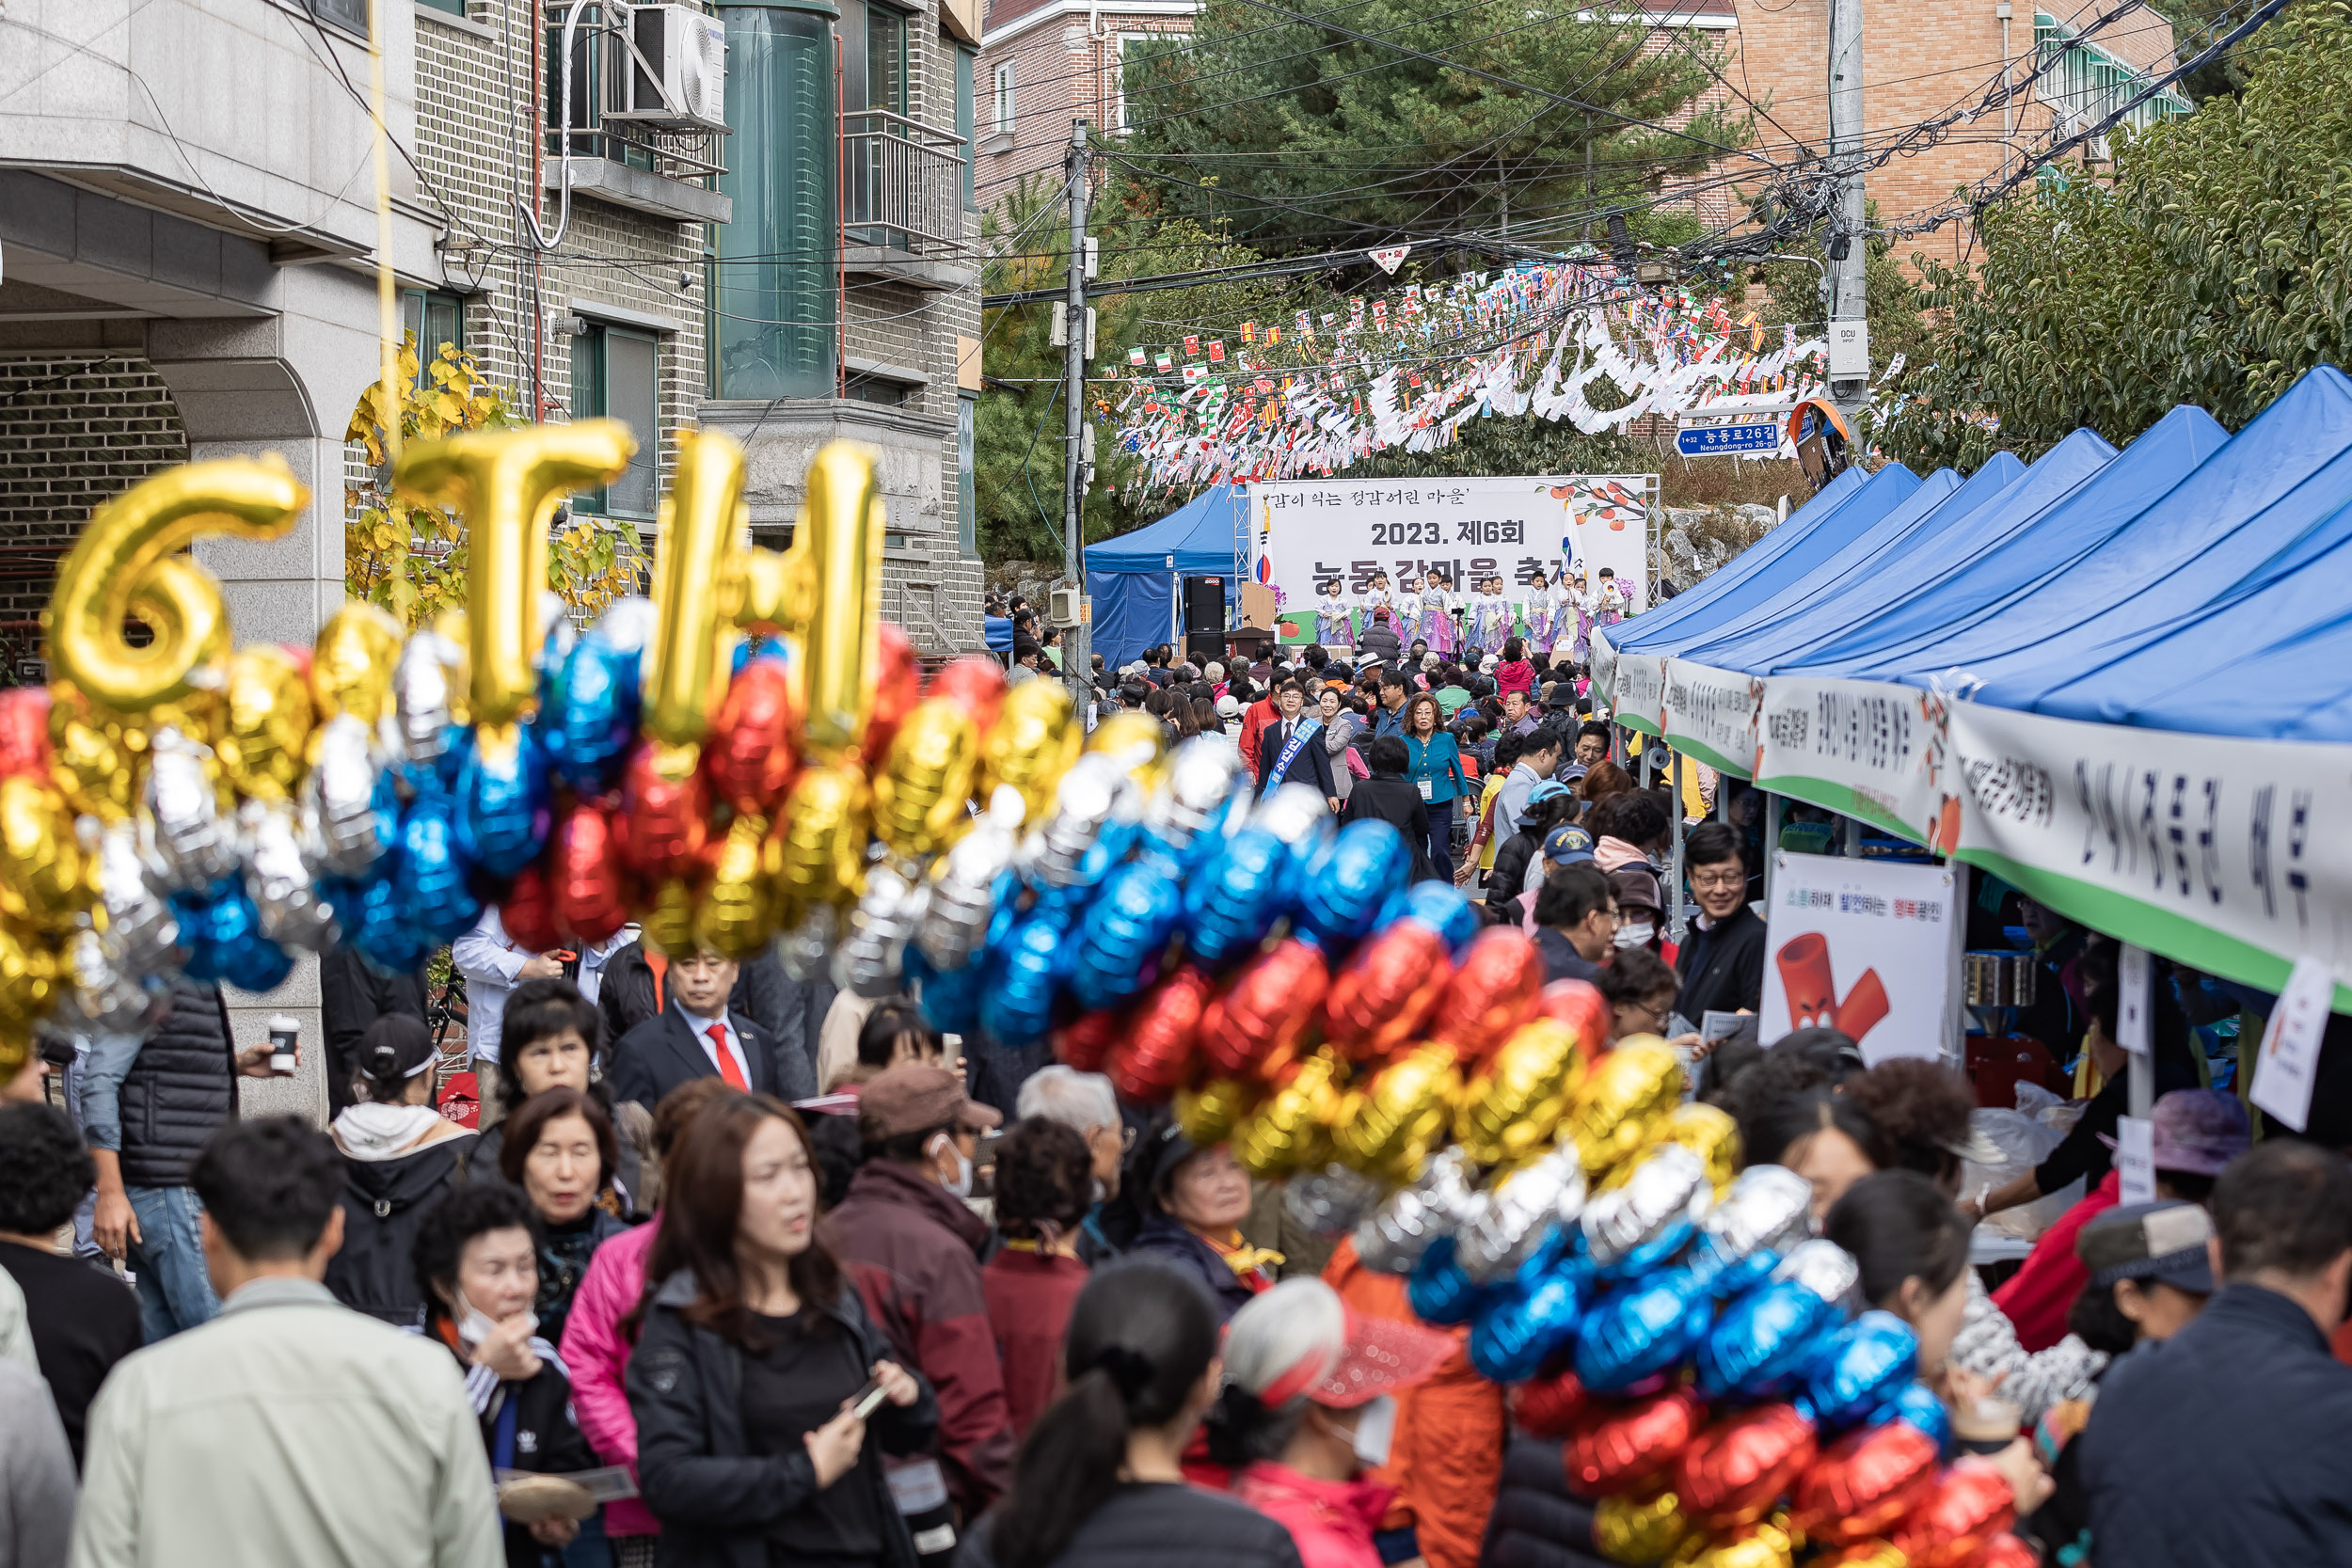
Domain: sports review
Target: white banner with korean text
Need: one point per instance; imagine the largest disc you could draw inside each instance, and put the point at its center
(1868, 750)
(1710, 714)
(1869, 947)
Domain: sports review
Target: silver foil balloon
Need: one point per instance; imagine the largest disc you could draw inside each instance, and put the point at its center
(556, 632)
(627, 624)
(1824, 1268)
(1096, 792)
(806, 949)
(195, 845)
(964, 884)
(1642, 1224)
(1768, 1209)
(1401, 1229)
(342, 832)
(142, 934)
(279, 879)
(1333, 1200)
(869, 961)
(1503, 1228)
(1298, 816)
(423, 686)
(1203, 795)
(106, 998)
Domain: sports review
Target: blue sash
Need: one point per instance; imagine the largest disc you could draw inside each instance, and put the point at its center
(1307, 729)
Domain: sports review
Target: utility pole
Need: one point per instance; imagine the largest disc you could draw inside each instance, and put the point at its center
(1849, 337)
(1079, 640)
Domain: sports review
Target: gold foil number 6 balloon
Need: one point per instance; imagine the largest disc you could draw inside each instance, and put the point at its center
(125, 565)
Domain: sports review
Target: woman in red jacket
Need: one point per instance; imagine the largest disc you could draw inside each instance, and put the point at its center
(1044, 1186)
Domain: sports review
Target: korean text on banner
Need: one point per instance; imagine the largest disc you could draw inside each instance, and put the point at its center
(1711, 713)
(1863, 748)
(1863, 946)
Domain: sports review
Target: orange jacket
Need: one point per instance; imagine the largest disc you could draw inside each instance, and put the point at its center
(1446, 1458)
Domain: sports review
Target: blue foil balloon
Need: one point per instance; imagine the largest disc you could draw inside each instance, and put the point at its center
(950, 998)
(373, 924)
(1917, 1403)
(505, 805)
(1518, 1328)
(1441, 906)
(1438, 1289)
(1232, 903)
(1866, 1364)
(589, 720)
(1765, 1341)
(1640, 1329)
(1023, 975)
(429, 877)
(221, 929)
(1349, 881)
(1122, 934)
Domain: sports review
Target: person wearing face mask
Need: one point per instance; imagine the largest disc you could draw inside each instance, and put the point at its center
(399, 1156)
(558, 1151)
(752, 1351)
(1309, 1405)
(906, 1224)
(476, 1269)
(1628, 829)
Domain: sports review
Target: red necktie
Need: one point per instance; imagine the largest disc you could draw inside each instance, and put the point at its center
(728, 1069)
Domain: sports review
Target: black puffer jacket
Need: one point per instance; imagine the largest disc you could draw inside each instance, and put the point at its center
(384, 1202)
(181, 1087)
(714, 1498)
(1536, 1524)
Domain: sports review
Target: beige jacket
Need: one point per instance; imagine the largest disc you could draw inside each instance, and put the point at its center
(288, 1433)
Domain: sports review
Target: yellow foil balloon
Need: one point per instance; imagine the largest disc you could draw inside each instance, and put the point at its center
(351, 663)
(1868, 1554)
(1513, 1107)
(28, 988)
(1035, 739)
(1136, 740)
(95, 758)
(1757, 1546)
(736, 914)
(1209, 1114)
(265, 729)
(125, 565)
(44, 877)
(508, 484)
(836, 561)
(684, 677)
(668, 921)
(1292, 1130)
(1390, 1127)
(820, 856)
(1707, 1131)
(922, 797)
(1639, 1529)
(1625, 1096)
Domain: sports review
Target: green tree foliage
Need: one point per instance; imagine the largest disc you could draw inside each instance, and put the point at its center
(2215, 269)
(1892, 303)
(2195, 23)
(1293, 131)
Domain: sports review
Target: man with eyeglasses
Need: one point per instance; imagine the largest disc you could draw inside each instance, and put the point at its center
(1722, 965)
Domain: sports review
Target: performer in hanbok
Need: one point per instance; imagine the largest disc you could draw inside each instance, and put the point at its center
(1436, 621)
(1542, 609)
(1380, 597)
(1490, 615)
(1335, 623)
(1579, 604)
(1613, 601)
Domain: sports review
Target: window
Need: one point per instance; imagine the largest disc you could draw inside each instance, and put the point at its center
(965, 60)
(772, 305)
(967, 492)
(889, 393)
(436, 319)
(616, 372)
(1003, 101)
(588, 139)
(1131, 58)
(455, 8)
(349, 13)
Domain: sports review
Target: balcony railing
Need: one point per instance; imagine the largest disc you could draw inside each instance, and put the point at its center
(902, 182)
(688, 156)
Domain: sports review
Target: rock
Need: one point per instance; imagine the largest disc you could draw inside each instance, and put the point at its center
(1756, 517)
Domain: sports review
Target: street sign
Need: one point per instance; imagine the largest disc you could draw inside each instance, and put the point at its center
(1741, 433)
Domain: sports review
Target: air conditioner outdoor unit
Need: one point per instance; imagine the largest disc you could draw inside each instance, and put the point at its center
(668, 67)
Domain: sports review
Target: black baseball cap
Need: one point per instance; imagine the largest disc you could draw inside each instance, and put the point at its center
(2163, 1241)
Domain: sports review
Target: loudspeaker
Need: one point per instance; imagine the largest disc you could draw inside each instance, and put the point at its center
(1202, 646)
(1205, 605)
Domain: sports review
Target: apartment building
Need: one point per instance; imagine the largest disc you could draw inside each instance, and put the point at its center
(1044, 63)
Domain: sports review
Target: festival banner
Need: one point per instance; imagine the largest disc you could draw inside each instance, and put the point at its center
(1637, 691)
(1868, 750)
(2218, 853)
(1867, 947)
(1710, 714)
(1306, 532)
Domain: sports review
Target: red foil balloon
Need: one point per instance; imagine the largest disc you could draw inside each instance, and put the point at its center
(1865, 1483)
(2006, 1551)
(585, 873)
(976, 682)
(749, 751)
(1734, 1471)
(1253, 1027)
(897, 686)
(665, 810)
(1154, 1056)
(1085, 1041)
(1550, 1406)
(1492, 994)
(1580, 1004)
(1970, 1505)
(1385, 995)
(24, 732)
(528, 911)
(1619, 1446)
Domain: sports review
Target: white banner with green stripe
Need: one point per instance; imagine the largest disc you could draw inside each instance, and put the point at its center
(1710, 714)
(1868, 750)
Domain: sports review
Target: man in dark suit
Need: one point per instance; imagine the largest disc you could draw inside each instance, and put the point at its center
(1307, 763)
(698, 1036)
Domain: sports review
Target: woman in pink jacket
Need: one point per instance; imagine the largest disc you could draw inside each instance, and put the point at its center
(594, 1351)
(1307, 1406)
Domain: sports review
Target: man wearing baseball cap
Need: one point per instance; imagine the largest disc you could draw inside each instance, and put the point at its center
(914, 1245)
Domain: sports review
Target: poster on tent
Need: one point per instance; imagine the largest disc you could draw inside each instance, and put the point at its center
(1710, 714)
(1869, 947)
(1303, 532)
(2218, 853)
(1868, 750)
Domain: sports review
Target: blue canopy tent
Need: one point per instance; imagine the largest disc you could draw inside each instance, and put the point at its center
(1136, 590)
(1726, 580)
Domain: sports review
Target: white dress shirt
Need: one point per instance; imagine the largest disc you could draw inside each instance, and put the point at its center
(492, 962)
(701, 1026)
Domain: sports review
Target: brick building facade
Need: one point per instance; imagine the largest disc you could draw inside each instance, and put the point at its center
(1044, 63)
